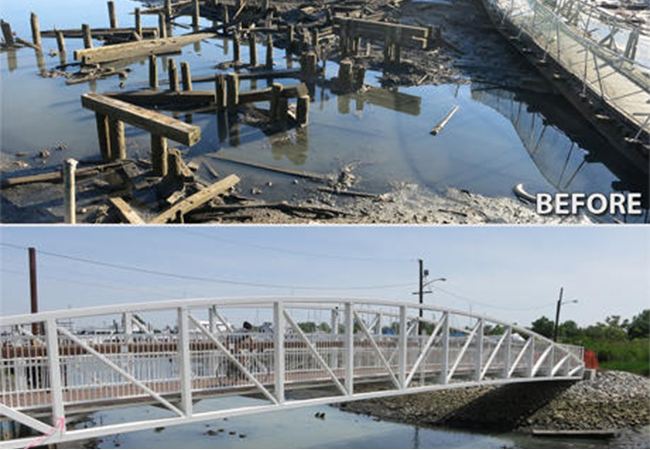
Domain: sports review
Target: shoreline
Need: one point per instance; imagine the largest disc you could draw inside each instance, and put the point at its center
(617, 401)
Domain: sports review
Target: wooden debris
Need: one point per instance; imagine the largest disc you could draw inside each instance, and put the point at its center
(438, 128)
(177, 167)
(286, 171)
(210, 169)
(126, 212)
(198, 199)
(151, 121)
(104, 33)
(141, 48)
(55, 176)
(348, 192)
(214, 211)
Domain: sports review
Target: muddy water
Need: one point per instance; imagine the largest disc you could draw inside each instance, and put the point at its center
(301, 429)
(496, 140)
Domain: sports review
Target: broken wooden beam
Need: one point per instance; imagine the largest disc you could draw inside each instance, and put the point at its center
(407, 35)
(139, 48)
(126, 212)
(278, 169)
(153, 97)
(104, 33)
(56, 176)
(150, 121)
(196, 200)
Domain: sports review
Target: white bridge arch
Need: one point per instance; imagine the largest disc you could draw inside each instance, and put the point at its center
(55, 365)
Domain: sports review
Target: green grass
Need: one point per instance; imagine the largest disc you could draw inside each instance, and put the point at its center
(630, 356)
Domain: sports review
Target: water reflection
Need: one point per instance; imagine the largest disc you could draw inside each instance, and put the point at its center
(559, 158)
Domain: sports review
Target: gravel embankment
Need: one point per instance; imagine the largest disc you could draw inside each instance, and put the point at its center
(614, 400)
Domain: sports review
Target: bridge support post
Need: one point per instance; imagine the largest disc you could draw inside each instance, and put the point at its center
(334, 324)
(402, 349)
(185, 361)
(507, 352)
(58, 413)
(444, 365)
(348, 356)
(278, 351)
(479, 350)
(378, 324)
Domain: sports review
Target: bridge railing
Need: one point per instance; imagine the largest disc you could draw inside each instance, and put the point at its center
(178, 352)
(615, 67)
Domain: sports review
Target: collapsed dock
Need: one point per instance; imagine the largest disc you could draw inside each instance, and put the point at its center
(359, 36)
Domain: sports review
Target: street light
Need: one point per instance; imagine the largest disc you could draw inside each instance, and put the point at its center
(423, 274)
(557, 311)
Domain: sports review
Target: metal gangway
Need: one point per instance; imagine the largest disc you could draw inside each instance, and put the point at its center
(608, 57)
(302, 352)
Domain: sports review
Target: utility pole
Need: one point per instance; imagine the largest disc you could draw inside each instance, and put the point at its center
(33, 287)
(557, 314)
(421, 293)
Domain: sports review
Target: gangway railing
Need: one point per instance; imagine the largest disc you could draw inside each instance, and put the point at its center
(609, 57)
(349, 349)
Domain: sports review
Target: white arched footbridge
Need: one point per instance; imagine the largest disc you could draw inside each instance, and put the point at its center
(58, 365)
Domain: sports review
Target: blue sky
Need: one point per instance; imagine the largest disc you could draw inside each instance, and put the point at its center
(513, 273)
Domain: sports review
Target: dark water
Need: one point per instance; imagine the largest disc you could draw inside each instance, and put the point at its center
(300, 428)
(485, 148)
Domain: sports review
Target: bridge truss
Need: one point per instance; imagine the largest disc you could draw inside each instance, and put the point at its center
(172, 354)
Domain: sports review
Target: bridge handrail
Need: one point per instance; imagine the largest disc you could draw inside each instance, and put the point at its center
(268, 301)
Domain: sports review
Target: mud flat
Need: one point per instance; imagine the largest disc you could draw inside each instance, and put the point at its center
(614, 401)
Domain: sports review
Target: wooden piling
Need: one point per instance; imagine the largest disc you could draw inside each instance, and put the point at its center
(308, 63)
(8, 34)
(269, 52)
(69, 188)
(345, 75)
(186, 76)
(168, 9)
(196, 13)
(359, 76)
(112, 18)
(220, 92)
(88, 38)
(276, 93)
(159, 155)
(153, 72)
(103, 136)
(232, 94)
(60, 42)
(302, 110)
(225, 16)
(162, 26)
(283, 109)
(138, 22)
(314, 37)
(36, 30)
(118, 145)
(173, 75)
(252, 41)
(236, 49)
(290, 37)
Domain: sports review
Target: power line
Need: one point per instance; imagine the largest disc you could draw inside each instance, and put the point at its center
(52, 266)
(205, 279)
(294, 252)
(487, 305)
(86, 283)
